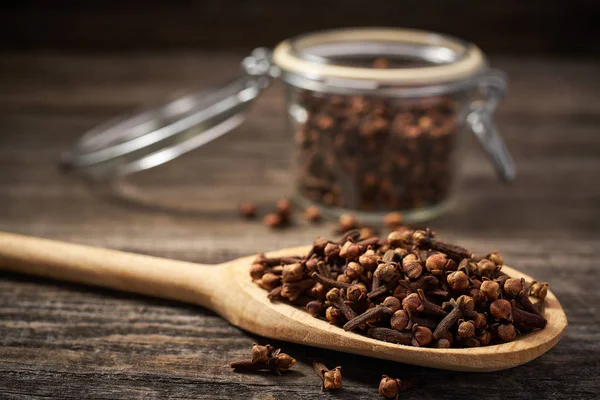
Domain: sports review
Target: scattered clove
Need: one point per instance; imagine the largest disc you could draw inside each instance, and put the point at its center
(265, 358)
(273, 220)
(332, 379)
(312, 213)
(390, 388)
(248, 210)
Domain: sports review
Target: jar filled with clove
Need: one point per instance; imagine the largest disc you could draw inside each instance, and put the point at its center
(376, 118)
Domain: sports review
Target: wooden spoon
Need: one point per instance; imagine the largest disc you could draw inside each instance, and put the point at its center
(228, 290)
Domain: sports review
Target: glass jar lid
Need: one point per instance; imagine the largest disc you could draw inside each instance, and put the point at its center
(412, 57)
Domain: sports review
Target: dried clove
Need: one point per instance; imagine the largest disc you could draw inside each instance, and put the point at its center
(336, 297)
(273, 220)
(261, 353)
(429, 307)
(391, 388)
(506, 332)
(332, 379)
(501, 309)
(390, 335)
(372, 154)
(328, 282)
(405, 290)
(526, 321)
(248, 210)
(460, 309)
(368, 315)
(312, 213)
(265, 358)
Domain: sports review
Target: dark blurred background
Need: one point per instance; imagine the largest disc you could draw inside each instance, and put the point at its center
(530, 27)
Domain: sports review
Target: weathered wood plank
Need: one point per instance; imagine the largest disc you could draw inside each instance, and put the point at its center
(71, 341)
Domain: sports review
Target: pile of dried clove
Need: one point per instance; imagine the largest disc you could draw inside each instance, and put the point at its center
(409, 288)
(375, 153)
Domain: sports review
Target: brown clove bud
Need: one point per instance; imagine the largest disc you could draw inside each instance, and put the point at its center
(412, 303)
(312, 213)
(257, 271)
(436, 262)
(422, 336)
(261, 353)
(369, 260)
(397, 238)
(350, 250)
(273, 220)
(356, 292)
(480, 320)
(486, 268)
(389, 387)
(248, 210)
(292, 273)
(490, 289)
(513, 286)
(314, 308)
(400, 320)
(334, 315)
(284, 208)
(496, 258)
(485, 338)
(412, 270)
(331, 250)
(332, 379)
(354, 270)
(392, 303)
(501, 309)
(466, 329)
(538, 289)
(506, 332)
(347, 222)
(385, 272)
(269, 281)
(283, 361)
(458, 281)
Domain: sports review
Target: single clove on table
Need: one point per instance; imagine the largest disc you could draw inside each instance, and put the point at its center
(391, 388)
(409, 288)
(331, 379)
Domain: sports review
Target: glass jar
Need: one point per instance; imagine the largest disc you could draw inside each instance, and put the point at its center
(376, 115)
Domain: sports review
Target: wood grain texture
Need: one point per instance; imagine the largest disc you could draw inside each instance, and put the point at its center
(66, 340)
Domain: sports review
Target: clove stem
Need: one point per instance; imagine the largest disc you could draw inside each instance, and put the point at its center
(363, 318)
(328, 282)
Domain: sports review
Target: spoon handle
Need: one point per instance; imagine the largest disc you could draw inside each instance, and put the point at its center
(136, 273)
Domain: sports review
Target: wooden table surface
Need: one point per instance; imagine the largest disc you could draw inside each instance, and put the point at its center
(71, 341)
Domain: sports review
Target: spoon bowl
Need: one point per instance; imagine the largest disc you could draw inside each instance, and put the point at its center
(228, 290)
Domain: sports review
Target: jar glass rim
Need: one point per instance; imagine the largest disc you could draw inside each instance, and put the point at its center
(324, 55)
